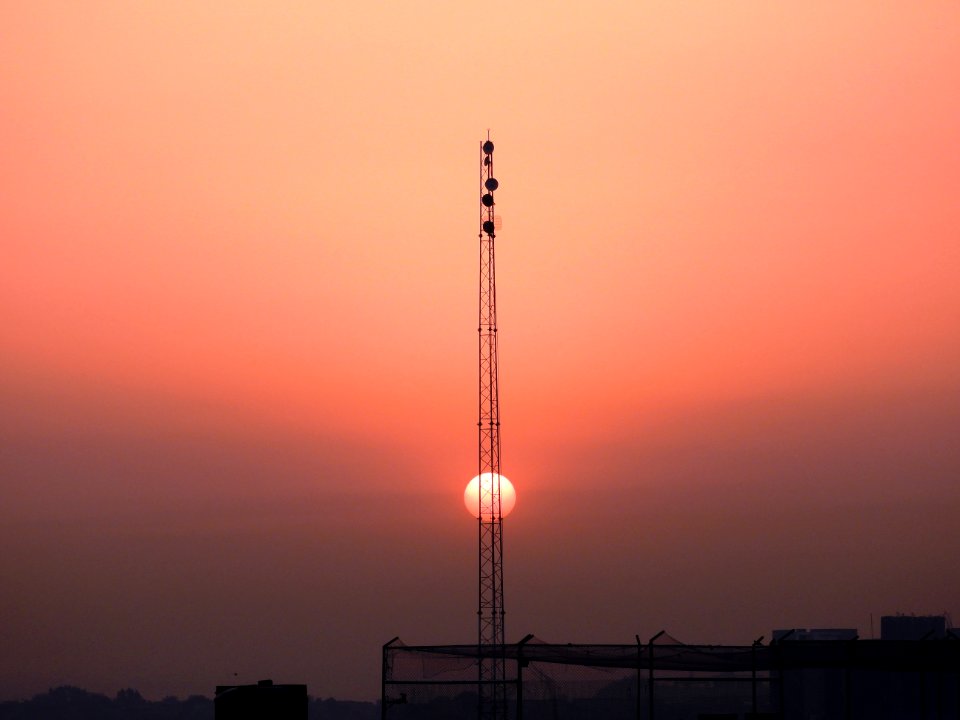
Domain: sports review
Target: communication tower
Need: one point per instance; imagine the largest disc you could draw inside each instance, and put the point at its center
(491, 687)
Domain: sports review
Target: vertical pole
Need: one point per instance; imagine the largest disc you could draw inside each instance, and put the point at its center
(519, 709)
(521, 663)
(639, 677)
(384, 669)
(650, 684)
(753, 672)
(650, 672)
(383, 685)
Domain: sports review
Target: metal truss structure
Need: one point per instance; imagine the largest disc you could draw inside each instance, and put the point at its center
(664, 679)
(491, 683)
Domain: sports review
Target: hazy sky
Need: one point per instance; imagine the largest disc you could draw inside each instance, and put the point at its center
(238, 306)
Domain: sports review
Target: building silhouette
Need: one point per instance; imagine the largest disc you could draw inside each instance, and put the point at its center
(263, 701)
(913, 627)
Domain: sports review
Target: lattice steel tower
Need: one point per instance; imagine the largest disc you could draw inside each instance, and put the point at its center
(491, 686)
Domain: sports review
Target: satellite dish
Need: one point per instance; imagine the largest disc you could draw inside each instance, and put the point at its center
(488, 147)
(487, 200)
(491, 184)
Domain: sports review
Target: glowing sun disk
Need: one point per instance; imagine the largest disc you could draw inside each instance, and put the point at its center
(480, 491)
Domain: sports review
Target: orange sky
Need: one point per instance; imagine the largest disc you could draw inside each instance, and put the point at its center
(238, 267)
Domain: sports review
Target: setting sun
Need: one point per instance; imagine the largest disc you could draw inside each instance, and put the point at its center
(471, 496)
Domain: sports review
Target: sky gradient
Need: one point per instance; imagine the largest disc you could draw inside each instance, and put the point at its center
(238, 301)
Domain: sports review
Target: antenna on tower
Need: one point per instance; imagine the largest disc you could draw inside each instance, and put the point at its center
(491, 687)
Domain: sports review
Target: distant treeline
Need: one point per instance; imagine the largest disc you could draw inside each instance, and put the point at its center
(70, 703)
